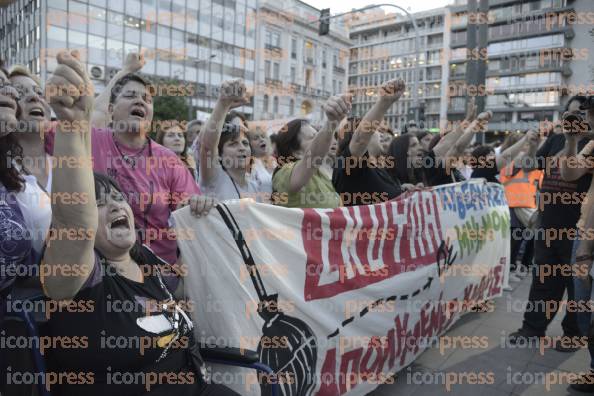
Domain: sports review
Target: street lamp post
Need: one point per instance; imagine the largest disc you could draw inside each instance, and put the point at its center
(416, 73)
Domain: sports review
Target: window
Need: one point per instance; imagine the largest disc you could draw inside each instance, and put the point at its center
(323, 82)
(294, 48)
(309, 50)
(76, 38)
(292, 107)
(275, 105)
(265, 104)
(267, 65)
(272, 39)
(276, 71)
(293, 74)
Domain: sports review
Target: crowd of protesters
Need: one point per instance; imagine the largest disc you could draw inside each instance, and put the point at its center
(127, 193)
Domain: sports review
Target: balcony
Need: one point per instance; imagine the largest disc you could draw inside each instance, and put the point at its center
(309, 91)
(338, 69)
(273, 81)
(274, 49)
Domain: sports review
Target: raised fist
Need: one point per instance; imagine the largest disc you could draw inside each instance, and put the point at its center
(483, 119)
(485, 115)
(337, 107)
(392, 90)
(69, 90)
(134, 62)
(532, 138)
(233, 94)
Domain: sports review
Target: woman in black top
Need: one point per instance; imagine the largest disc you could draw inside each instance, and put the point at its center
(123, 333)
(437, 166)
(360, 175)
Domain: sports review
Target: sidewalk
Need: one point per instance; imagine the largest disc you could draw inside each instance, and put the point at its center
(498, 358)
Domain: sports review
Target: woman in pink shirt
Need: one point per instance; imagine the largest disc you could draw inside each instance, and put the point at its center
(153, 179)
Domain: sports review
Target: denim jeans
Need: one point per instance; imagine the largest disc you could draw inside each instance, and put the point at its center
(583, 292)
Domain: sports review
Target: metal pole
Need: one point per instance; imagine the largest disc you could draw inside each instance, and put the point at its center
(481, 71)
(417, 47)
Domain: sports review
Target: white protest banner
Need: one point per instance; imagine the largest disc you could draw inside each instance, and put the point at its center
(336, 301)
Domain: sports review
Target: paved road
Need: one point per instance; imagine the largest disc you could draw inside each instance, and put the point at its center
(514, 371)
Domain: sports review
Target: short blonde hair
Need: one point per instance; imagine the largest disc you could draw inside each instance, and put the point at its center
(20, 70)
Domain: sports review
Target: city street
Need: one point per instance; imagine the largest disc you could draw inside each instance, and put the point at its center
(503, 363)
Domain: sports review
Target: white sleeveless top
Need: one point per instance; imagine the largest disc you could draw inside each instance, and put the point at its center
(36, 207)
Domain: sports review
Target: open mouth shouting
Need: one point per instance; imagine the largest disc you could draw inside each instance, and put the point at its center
(37, 112)
(7, 104)
(121, 222)
(138, 112)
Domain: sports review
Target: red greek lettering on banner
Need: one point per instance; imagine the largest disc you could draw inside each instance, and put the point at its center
(350, 248)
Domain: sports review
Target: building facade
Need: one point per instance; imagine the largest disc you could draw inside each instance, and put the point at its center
(199, 42)
(537, 56)
(297, 70)
(384, 49)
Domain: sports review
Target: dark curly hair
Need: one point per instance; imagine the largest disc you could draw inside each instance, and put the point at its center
(10, 177)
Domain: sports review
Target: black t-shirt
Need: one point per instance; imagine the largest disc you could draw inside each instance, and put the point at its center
(363, 181)
(561, 209)
(118, 352)
(486, 172)
(435, 172)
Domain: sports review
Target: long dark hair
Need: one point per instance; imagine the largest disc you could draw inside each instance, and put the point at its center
(479, 155)
(288, 141)
(422, 134)
(345, 134)
(401, 171)
(10, 177)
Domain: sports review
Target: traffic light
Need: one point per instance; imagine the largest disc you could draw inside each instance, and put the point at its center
(324, 22)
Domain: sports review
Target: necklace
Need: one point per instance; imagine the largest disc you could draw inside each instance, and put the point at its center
(129, 159)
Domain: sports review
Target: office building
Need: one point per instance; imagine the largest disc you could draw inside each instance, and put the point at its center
(384, 49)
(537, 56)
(200, 42)
(297, 69)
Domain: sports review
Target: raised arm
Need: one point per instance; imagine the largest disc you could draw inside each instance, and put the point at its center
(478, 125)
(71, 259)
(447, 141)
(336, 108)
(232, 94)
(390, 92)
(529, 140)
(580, 166)
(133, 63)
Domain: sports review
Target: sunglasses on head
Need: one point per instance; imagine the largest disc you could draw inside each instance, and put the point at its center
(230, 128)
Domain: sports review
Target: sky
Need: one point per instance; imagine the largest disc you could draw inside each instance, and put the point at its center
(337, 6)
